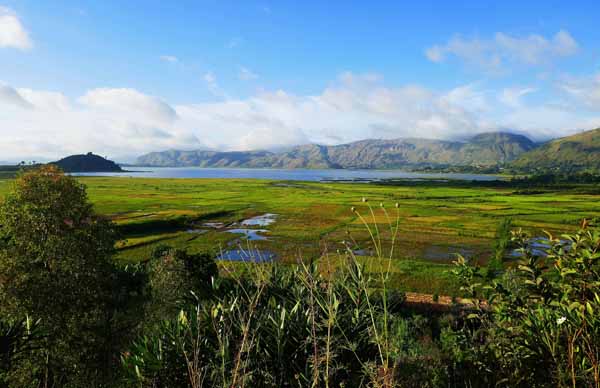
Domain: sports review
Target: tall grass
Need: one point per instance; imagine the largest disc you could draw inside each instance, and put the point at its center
(325, 323)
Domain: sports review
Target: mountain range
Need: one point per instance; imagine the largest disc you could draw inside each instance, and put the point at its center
(485, 149)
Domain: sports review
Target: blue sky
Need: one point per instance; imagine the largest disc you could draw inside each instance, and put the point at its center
(127, 77)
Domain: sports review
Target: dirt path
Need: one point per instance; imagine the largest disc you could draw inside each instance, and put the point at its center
(443, 303)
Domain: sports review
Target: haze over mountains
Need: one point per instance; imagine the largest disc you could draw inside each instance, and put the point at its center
(578, 152)
(495, 149)
(484, 149)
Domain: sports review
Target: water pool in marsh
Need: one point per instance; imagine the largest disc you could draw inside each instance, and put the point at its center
(254, 255)
(262, 220)
(250, 234)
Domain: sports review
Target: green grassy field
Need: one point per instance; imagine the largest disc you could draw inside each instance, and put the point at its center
(315, 218)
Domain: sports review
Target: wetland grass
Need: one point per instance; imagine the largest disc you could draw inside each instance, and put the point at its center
(313, 218)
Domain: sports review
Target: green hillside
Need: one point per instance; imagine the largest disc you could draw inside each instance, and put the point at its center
(576, 152)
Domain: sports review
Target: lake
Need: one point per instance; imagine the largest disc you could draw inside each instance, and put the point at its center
(284, 174)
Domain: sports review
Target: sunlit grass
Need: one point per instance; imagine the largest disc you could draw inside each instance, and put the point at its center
(314, 218)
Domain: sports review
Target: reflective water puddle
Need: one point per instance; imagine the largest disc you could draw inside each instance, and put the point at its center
(539, 246)
(262, 220)
(250, 234)
(253, 255)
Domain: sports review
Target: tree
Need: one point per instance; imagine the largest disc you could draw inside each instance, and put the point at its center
(55, 264)
(178, 277)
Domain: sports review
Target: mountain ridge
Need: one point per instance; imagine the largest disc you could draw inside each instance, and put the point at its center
(484, 149)
(576, 152)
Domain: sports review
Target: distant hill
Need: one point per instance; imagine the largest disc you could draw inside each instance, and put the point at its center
(87, 163)
(576, 152)
(200, 158)
(484, 149)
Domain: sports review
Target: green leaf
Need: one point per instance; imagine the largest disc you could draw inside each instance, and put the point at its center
(574, 305)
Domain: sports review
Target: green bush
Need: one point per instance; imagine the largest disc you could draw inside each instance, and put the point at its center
(540, 325)
(276, 326)
(18, 338)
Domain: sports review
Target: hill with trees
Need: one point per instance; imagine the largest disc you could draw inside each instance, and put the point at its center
(576, 152)
(87, 163)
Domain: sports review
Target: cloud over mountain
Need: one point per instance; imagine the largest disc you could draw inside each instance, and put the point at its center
(124, 122)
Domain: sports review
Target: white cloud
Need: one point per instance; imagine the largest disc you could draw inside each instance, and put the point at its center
(564, 44)
(353, 108)
(131, 102)
(470, 97)
(492, 54)
(169, 58)
(46, 125)
(43, 100)
(547, 121)
(213, 85)
(10, 96)
(246, 74)
(12, 32)
(436, 53)
(585, 90)
(271, 137)
(535, 49)
(512, 97)
(124, 123)
(563, 113)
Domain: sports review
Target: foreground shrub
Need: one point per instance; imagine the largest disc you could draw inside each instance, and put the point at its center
(18, 338)
(176, 279)
(541, 323)
(56, 264)
(276, 326)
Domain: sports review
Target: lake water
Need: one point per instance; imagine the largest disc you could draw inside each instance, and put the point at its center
(283, 174)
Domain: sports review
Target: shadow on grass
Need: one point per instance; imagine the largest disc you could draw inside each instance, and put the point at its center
(175, 224)
(146, 243)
